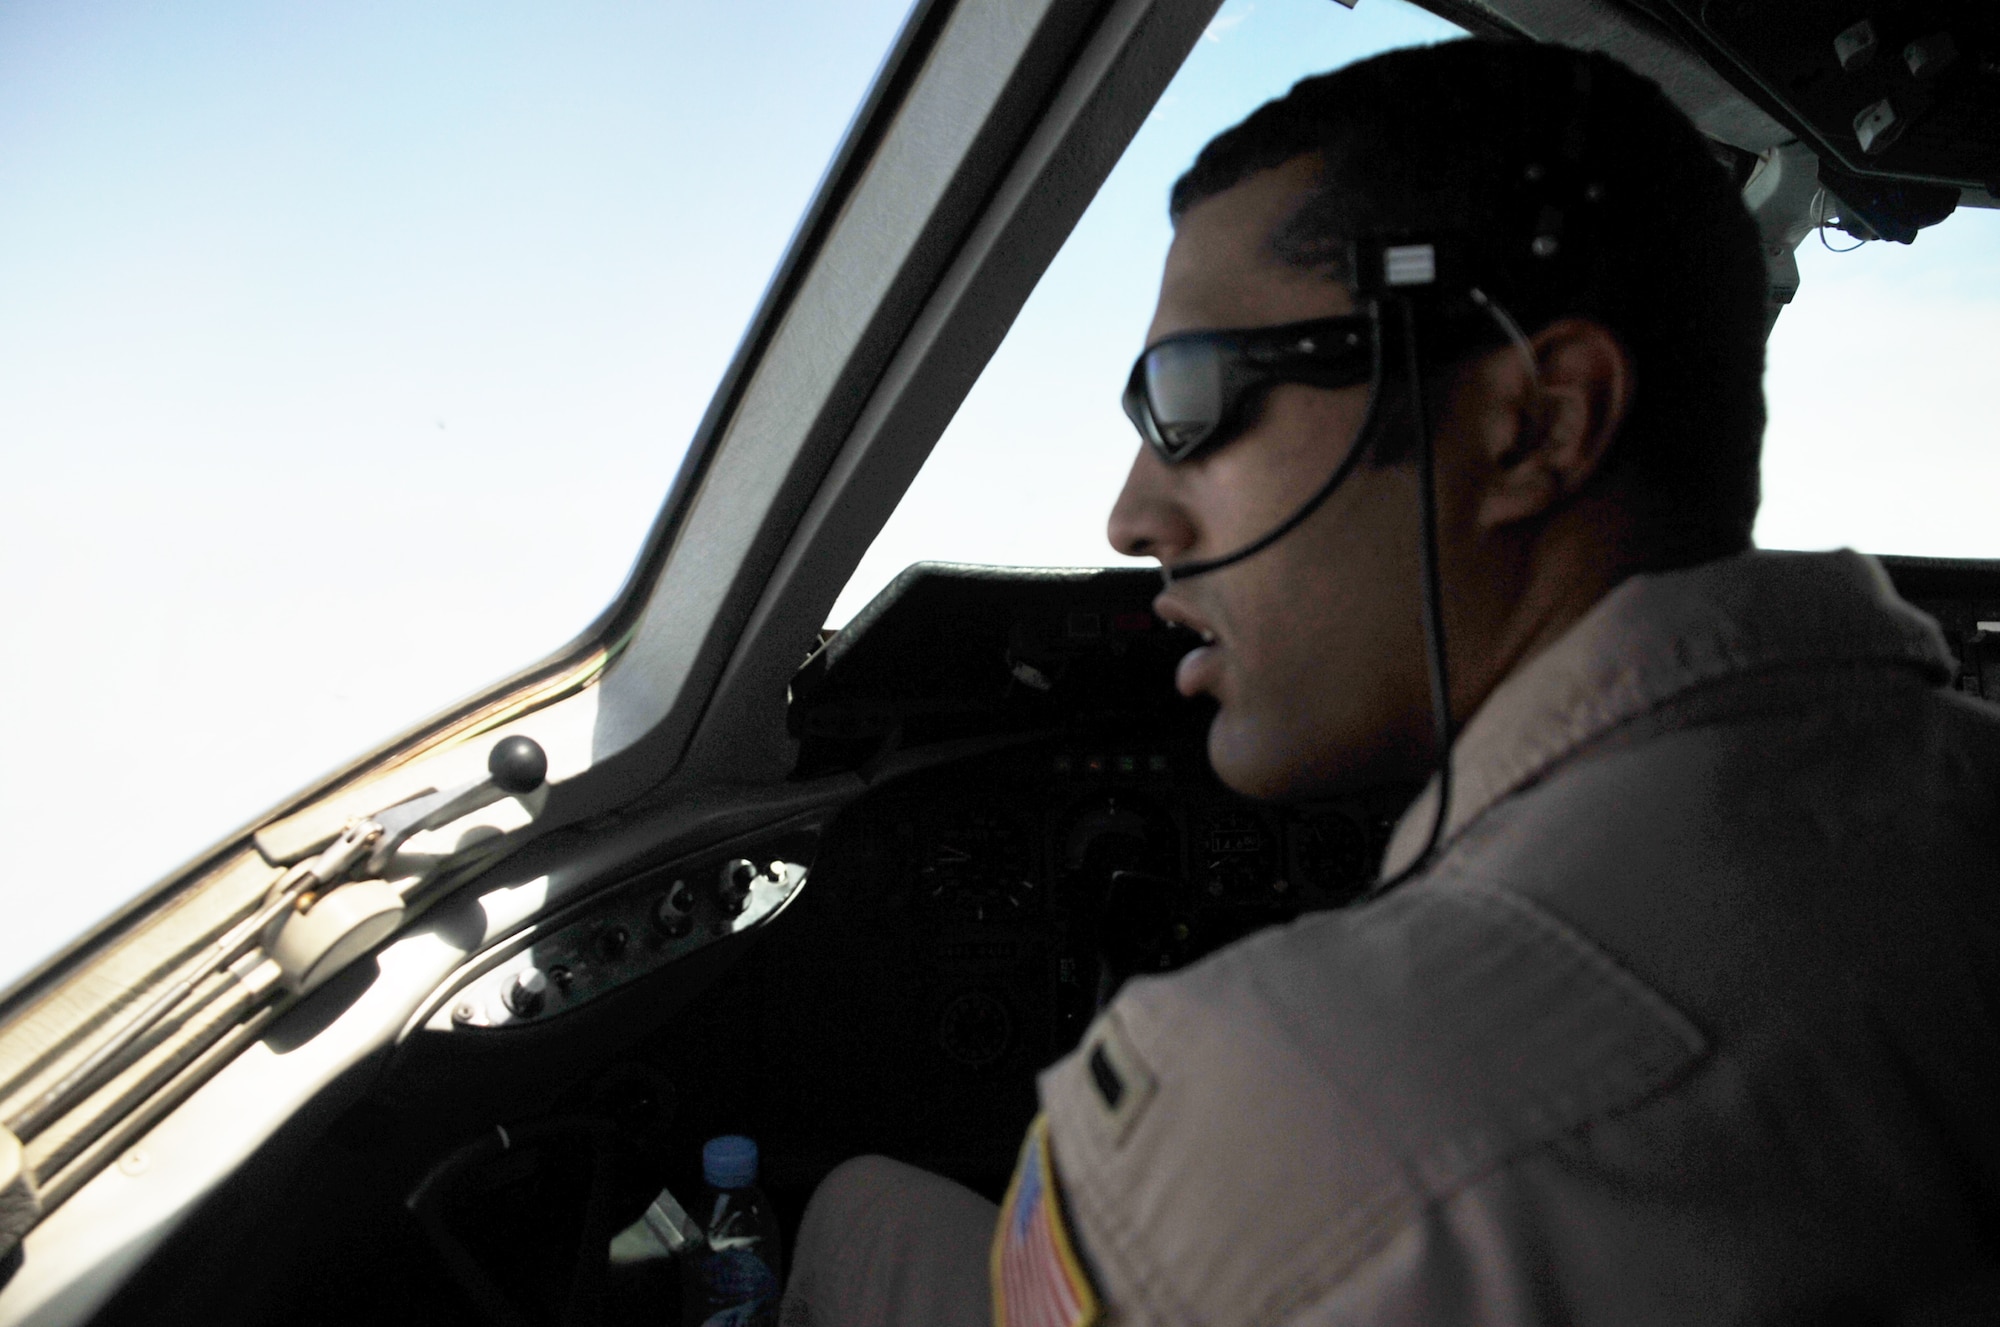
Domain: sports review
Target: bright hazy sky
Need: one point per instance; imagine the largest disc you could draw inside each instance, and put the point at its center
(346, 352)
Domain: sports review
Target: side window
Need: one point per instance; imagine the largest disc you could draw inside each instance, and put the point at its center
(1882, 428)
(1879, 438)
(346, 354)
(1026, 473)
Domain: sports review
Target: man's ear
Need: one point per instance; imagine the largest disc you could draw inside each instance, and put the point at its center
(1551, 425)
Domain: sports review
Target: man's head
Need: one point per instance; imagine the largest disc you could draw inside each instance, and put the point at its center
(1626, 438)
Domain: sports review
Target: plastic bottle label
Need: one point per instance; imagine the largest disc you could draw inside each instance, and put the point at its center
(739, 1287)
(743, 1315)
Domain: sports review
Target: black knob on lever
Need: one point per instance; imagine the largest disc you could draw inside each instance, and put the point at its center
(518, 764)
(515, 765)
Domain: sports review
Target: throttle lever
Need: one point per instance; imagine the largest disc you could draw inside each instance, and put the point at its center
(320, 933)
(517, 765)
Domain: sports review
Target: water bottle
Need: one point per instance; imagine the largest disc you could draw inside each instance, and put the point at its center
(732, 1279)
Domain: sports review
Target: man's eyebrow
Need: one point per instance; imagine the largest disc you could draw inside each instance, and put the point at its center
(1307, 240)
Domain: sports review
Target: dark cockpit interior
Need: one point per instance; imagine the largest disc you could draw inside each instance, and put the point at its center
(1036, 825)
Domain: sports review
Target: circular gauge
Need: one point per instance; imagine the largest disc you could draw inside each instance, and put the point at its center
(1117, 833)
(1236, 859)
(979, 867)
(975, 1029)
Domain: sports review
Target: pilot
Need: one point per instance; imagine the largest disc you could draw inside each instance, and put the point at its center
(1679, 998)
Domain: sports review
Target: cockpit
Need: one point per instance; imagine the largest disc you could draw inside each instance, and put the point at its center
(866, 784)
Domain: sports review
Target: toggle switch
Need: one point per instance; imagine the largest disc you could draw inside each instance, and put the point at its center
(673, 911)
(527, 992)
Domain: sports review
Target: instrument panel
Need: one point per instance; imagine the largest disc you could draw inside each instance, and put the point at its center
(1103, 862)
(965, 924)
(1055, 831)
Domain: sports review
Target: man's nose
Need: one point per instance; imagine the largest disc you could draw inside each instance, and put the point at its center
(1148, 521)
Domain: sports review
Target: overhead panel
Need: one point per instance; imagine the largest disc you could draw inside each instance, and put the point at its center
(1885, 90)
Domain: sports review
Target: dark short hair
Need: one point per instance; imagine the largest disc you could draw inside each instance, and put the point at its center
(1502, 142)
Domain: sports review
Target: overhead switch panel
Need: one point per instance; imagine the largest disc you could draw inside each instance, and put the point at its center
(1896, 91)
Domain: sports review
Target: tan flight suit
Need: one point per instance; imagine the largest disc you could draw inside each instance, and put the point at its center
(1695, 1020)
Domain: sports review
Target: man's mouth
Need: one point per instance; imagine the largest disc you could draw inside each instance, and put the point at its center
(1200, 668)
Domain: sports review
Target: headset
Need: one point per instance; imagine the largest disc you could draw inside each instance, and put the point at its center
(1191, 393)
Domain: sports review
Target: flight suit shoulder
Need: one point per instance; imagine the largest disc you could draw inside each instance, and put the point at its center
(1233, 1140)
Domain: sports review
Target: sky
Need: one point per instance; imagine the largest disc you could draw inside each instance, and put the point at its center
(346, 353)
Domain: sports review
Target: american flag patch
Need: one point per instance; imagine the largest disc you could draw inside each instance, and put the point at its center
(1038, 1279)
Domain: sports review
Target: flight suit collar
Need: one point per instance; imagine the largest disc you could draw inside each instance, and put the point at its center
(1657, 637)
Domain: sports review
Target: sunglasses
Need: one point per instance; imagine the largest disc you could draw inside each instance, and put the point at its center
(1193, 392)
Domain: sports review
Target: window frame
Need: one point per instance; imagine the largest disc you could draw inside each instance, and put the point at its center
(984, 136)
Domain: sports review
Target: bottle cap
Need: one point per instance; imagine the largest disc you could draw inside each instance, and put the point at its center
(729, 1162)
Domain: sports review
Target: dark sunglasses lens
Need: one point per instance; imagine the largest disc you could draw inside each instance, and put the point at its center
(1183, 381)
